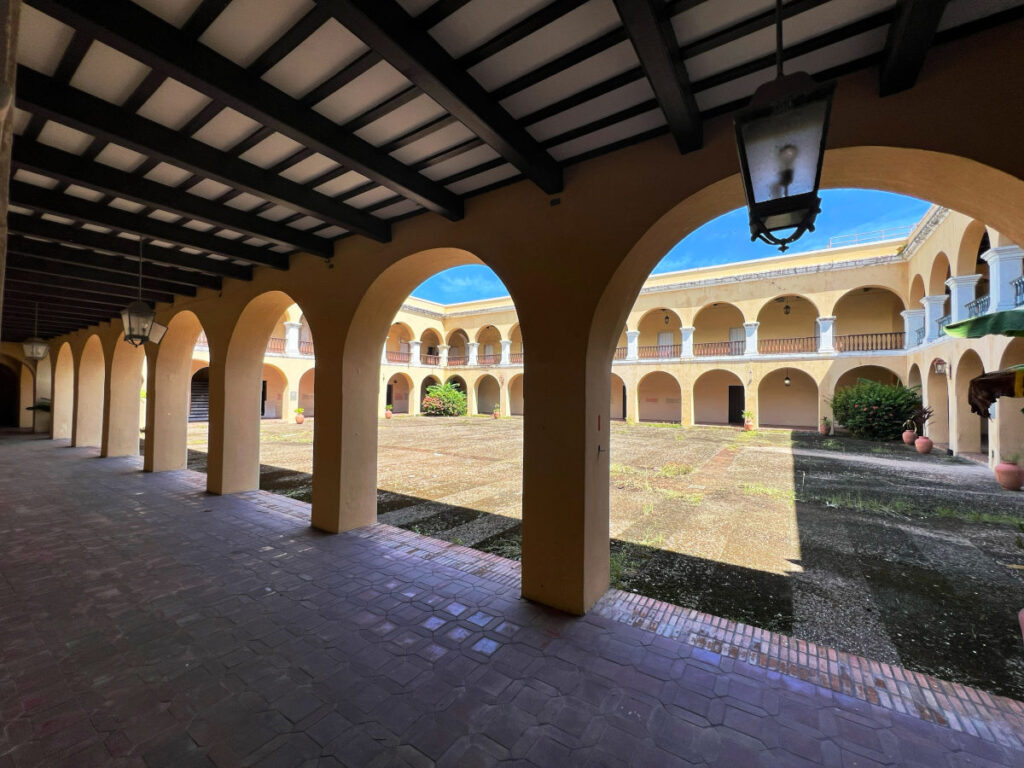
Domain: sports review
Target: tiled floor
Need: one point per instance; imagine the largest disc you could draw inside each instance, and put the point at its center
(143, 622)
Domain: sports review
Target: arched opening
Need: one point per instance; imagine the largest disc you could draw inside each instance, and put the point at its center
(515, 395)
(660, 398)
(914, 378)
(307, 393)
(430, 347)
(936, 397)
(719, 397)
(973, 243)
(660, 336)
(618, 401)
(397, 394)
(170, 428)
(916, 292)
(1008, 427)
(488, 341)
(787, 324)
(273, 393)
(199, 396)
(43, 393)
(971, 429)
(305, 337)
(788, 398)
(397, 344)
(90, 380)
(516, 349)
(868, 319)
(939, 274)
(488, 394)
(458, 348)
(428, 381)
(10, 395)
(124, 406)
(869, 372)
(459, 382)
(718, 330)
(62, 403)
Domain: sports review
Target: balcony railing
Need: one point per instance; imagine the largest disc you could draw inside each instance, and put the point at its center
(306, 348)
(942, 322)
(659, 351)
(919, 337)
(978, 306)
(489, 359)
(516, 358)
(620, 353)
(719, 348)
(1018, 291)
(430, 359)
(787, 346)
(275, 346)
(457, 360)
(869, 342)
(397, 357)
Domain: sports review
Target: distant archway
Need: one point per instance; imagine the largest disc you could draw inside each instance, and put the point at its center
(90, 380)
(428, 381)
(62, 404)
(868, 319)
(618, 402)
(10, 395)
(274, 403)
(516, 405)
(870, 372)
(718, 330)
(719, 397)
(398, 393)
(488, 394)
(936, 397)
(659, 334)
(307, 392)
(793, 404)
(971, 429)
(660, 398)
(124, 400)
(787, 324)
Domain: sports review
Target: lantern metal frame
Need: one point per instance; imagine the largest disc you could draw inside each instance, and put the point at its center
(34, 348)
(139, 320)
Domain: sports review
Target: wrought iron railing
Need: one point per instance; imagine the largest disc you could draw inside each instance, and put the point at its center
(659, 351)
(455, 360)
(787, 346)
(398, 357)
(620, 353)
(1018, 291)
(978, 306)
(488, 359)
(719, 348)
(276, 345)
(942, 322)
(429, 359)
(869, 342)
(516, 358)
(919, 337)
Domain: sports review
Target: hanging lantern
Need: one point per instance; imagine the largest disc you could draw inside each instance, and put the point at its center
(35, 348)
(786, 309)
(139, 320)
(787, 381)
(781, 141)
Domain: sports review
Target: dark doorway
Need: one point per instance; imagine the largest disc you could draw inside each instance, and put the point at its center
(388, 400)
(10, 390)
(737, 404)
(623, 401)
(263, 400)
(199, 404)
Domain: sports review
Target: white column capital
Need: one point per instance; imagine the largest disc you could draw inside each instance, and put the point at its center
(961, 292)
(632, 345)
(750, 347)
(913, 321)
(929, 302)
(826, 334)
(753, 324)
(442, 355)
(962, 281)
(1004, 266)
(911, 313)
(471, 349)
(291, 338)
(1002, 254)
(687, 339)
(933, 307)
(384, 354)
(414, 352)
(506, 351)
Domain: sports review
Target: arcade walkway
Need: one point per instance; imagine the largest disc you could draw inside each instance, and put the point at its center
(146, 623)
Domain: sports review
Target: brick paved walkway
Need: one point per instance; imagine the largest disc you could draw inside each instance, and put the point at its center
(143, 622)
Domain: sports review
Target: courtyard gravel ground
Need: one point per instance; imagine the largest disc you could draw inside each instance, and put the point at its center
(867, 548)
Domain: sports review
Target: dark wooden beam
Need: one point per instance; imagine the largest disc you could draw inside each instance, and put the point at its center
(656, 47)
(69, 312)
(100, 276)
(910, 36)
(37, 198)
(73, 169)
(157, 254)
(127, 27)
(41, 95)
(47, 282)
(33, 290)
(388, 29)
(78, 257)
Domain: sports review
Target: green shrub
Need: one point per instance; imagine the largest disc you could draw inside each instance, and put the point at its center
(873, 411)
(444, 400)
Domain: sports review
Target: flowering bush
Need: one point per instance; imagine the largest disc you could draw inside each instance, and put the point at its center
(444, 400)
(874, 411)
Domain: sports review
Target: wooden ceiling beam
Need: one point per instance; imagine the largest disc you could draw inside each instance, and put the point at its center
(906, 46)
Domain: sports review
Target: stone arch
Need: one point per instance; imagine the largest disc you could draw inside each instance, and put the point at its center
(274, 395)
(660, 398)
(660, 335)
(428, 381)
(397, 343)
(916, 292)
(787, 324)
(123, 400)
(488, 394)
(936, 396)
(307, 393)
(718, 330)
(169, 393)
(459, 382)
(62, 401)
(458, 347)
(90, 381)
(914, 380)
(399, 392)
(430, 346)
(711, 397)
(793, 405)
(971, 435)
(516, 401)
(939, 273)
(618, 399)
(868, 318)
(489, 340)
(968, 252)
(881, 373)
(236, 394)
(1013, 354)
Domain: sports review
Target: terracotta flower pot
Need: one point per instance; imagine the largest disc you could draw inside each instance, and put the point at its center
(748, 425)
(1009, 475)
(822, 429)
(495, 414)
(909, 436)
(387, 414)
(923, 444)
(299, 418)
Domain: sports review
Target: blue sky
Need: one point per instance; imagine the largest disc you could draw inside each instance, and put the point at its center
(720, 241)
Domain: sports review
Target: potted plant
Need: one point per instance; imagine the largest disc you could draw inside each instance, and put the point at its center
(826, 425)
(923, 444)
(748, 420)
(909, 432)
(918, 420)
(1009, 473)
(496, 410)
(299, 418)
(387, 411)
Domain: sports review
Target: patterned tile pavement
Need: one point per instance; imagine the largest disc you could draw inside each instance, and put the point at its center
(143, 622)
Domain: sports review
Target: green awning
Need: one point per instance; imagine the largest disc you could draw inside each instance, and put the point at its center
(1009, 322)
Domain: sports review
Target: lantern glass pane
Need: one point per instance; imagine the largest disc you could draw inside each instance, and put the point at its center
(35, 348)
(156, 332)
(782, 150)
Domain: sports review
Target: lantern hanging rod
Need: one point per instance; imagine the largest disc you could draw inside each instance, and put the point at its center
(778, 38)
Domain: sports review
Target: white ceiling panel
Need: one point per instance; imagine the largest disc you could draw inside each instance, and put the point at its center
(226, 129)
(42, 40)
(398, 209)
(57, 219)
(198, 226)
(306, 222)
(708, 18)
(328, 50)
(168, 174)
(271, 151)
(175, 12)
(166, 216)
(618, 132)
(126, 205)
(91, 195)
(245, 202)
(493, 176)
(415, 7)
(21, 119)
(120, 157)
(459, 163)
(65, 137)
(408, 117)
(437, 141)
(377, 84)
(477, 22)
(228, 234)
(35, 179)
(342, 184)
(173, 104)
(371, 197)
(209, 189)
(246, 28)
(276, 213)
(109, 74)
(595, 109)
(330, 232)
(561, 36)
(311, 167)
